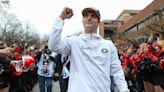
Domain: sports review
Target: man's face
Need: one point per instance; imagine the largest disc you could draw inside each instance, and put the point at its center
(14, 46)
(90, 22)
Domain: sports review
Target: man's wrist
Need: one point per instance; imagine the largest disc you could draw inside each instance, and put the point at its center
(61, 17)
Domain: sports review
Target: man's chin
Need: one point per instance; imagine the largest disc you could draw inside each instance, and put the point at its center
(88, 26)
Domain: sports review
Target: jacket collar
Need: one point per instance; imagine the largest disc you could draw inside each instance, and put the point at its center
(90, 40)
(88, 37)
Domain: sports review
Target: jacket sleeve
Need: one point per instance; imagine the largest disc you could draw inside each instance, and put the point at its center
(37, 58)
(56, 43)
(4, 60)
(117, 71)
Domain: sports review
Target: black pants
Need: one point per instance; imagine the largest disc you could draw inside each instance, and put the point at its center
(17, 85)
(63, 84)
(139, 82)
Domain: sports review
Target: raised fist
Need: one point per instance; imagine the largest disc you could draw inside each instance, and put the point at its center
(66, 13)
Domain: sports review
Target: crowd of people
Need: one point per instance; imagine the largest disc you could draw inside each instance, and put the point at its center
(93, 63)
(10, 79)
(47, 63)
(143, 65)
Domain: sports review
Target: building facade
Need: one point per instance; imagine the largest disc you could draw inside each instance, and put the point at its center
(135, 25)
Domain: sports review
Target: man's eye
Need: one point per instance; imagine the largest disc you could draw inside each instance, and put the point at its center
(94, 16)
(86, 15)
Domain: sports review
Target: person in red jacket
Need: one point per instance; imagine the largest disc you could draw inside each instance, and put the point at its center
(127, 65)
(5, 63)
(159, 70)
(146, 62)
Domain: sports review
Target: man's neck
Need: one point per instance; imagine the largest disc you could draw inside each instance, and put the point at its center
(90, 31)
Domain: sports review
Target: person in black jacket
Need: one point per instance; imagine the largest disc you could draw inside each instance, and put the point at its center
(5, 70)
(63, 79)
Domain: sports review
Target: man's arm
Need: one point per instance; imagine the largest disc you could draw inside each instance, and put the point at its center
(117, 72)
(6, 50)
(55, 42)
(37, 58)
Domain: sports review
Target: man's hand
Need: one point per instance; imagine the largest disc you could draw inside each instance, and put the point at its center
(14, 62)
(7, 50)
(67, 13)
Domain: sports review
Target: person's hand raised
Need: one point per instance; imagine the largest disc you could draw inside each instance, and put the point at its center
(7, 50)
(66, 13)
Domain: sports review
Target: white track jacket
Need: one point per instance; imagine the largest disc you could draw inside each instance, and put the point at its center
(93, 61)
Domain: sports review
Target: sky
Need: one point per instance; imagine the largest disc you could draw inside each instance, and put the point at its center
(42, 13)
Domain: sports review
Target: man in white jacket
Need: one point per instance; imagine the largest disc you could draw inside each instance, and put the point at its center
(93, 59)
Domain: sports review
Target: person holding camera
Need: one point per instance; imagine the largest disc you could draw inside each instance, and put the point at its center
(46, 68)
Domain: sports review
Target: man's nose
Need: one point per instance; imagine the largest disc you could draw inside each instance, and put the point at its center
(89, 17)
